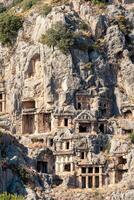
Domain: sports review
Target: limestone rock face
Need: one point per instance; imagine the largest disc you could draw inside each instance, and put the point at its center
(115, 39)
(85, 97)
(128, 195)
(98, 25)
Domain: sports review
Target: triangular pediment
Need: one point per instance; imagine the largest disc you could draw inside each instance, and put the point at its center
(85, 116)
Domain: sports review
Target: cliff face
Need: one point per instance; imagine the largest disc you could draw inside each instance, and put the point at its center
(38, 80)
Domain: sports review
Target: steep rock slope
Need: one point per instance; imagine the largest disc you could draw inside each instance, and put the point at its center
(101, 62)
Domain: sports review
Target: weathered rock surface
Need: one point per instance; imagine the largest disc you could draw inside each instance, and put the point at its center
(104, 68)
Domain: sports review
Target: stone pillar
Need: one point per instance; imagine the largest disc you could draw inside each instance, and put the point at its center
(106, 180)
(64, 145)
(22, 124)
(61, 167)
(113, 175)
(69, 122)
(36, 122)
(72, 167)
(86, 181)
(56, 167)
(92, 127)
(77, 127)
(100, 177)
(93, 184)
(3, 106)
(80, 181)
(62, 122)
(55, 122)
(47, 142)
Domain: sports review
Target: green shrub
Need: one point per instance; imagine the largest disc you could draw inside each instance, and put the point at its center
(83, 26)
(131, 136)
(98, 2)
(2, 8)
(15, 2)
(46, 10)
(60, 36)
(9, 26)
(27, 4)
(6, 196)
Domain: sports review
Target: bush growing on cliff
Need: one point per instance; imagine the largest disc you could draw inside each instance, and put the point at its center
(2, 8)
(9, 26)
(6, 196)
(15, 2)
(46, 10)
(83, 26)
(60, 36)
(131, 136)
(97, 2)
(27, 4)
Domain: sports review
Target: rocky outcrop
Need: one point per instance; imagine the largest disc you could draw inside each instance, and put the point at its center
(99, 64)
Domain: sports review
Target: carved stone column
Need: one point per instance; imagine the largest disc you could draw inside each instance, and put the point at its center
(100, 177)
(113, 175)
(93, 183)
(36, 123)
(86, 181)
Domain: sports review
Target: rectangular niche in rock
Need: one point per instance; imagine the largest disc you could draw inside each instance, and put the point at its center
(28, 124)
(2, 102)
(42, 166)
(44, 122)
(84, 127)
(28, 104)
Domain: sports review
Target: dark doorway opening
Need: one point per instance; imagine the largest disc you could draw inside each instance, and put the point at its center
(65, 122)
(82, 129)
(90, 182)
(42, 166)
(101, 128)
(83, 182)
(79, 106)
(67, 167)
(82, 155)
(96, 181)
(67, 145)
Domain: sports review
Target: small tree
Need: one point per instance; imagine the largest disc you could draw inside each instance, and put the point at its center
(9, 26)
(131, 136)
(2, 8)
(27, 4)
(7, 196)
(46, 10)
(59, 35)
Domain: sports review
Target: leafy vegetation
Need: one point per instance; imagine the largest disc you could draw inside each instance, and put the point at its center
(97, 2)
(6, 196)
(15, 2)
(9, 26)
(83, 26)
(60, 36)
(27, 4)
(131, 136)
(2, 8)
(46, 10)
